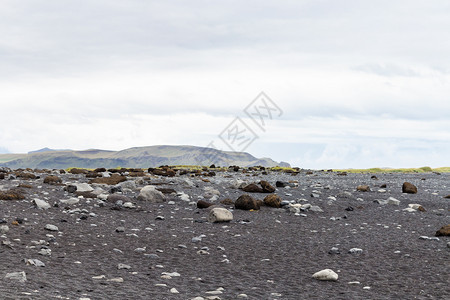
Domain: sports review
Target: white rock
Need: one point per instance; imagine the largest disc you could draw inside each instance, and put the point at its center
(294, 208)
(355, 250)
(70, 201)
(211, 193)
(174, 291)
(83, 187)
(35, 262)
(129, 205)
(51, 227)
(326, 274)
(219, 214)
(393, 201)
(118, 279)
(409, 209)
(173, 274)
(19, 276)
(123, 266)
(4, 229)
(151, 194)
(41, 204)
(183, 196)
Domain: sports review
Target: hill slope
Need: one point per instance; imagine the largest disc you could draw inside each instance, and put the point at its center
(137, 157)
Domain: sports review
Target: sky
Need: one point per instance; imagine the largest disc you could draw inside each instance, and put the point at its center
(347, 84)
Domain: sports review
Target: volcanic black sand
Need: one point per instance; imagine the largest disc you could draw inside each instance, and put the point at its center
(270, 253)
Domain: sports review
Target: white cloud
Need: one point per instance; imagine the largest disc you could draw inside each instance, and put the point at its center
(356, 79)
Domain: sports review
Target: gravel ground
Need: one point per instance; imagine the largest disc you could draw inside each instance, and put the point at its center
(266, 254)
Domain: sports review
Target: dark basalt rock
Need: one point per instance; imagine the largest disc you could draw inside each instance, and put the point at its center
(246, 202)
(409, 188)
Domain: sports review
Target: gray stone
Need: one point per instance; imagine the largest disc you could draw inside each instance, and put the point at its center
(326, 275)
(83, 187)
(151, 194)
(334, 250)
(123, 266)
(70, 201)
(35, 262)
(393, 201)
(355, 251)
(18, 276)
(219, 214)
(51, 227)
(45, 252)
(120, 229)
(41, 204)
(315, 208)
(4, 229)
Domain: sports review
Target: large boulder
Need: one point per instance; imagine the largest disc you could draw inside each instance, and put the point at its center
(272, 200)
(246, 202)
(409, 188)
(151, 194)
(220, 214)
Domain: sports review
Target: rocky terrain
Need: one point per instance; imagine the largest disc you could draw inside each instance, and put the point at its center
(233, 233)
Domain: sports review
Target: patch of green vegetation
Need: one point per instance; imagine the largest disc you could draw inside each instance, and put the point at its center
(282, 169)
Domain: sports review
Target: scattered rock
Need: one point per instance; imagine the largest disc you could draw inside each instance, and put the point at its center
(363, 188)
(17, 276)
(246, 202)
(203, 204)
(151, 194)
(52, 179)
(11, 195)
(444, 231)
(4, 229)
(326, 275)
(227, 201)
(272, 200)
(113, 180)
(219, 214)
(81, 187)
(393, 201)
(51, 227)
(409, 188)
(41, 204)
(113, 198)
(252, 188)
(35, 262)
(123, 266)
(267, 188)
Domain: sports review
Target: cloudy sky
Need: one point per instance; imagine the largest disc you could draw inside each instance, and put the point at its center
(357, 83)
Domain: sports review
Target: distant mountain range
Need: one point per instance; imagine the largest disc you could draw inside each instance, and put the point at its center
(137, 157)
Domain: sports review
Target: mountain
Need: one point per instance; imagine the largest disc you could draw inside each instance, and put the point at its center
(45, 150)
(137, 157)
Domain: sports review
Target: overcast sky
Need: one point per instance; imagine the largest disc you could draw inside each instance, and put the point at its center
(357, 83)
